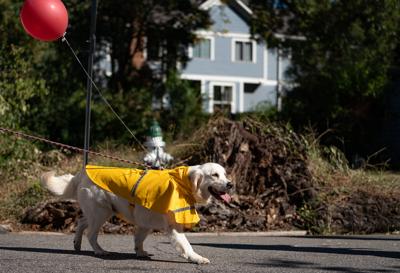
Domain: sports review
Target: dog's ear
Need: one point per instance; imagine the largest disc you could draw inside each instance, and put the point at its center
(197, 178)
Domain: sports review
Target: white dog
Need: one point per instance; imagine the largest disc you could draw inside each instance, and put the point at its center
(152, 210)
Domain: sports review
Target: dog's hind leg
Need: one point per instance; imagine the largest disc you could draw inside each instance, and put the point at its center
(94, 224)
(82, 225)
(140, 235)
(180, 242)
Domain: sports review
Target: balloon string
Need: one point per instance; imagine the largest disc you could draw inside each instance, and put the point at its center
(64, 39)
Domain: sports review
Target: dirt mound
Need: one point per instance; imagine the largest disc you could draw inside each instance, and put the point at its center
(359, 212)
(52, 215)
(56, 215)
(268, 164)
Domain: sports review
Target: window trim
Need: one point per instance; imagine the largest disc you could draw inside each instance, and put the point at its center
(212, 48)
(211, 95)
(243, 40)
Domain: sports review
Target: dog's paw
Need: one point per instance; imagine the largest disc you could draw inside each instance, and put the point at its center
(77, 246)
(142, 254)
(196, 258)
(203, 260)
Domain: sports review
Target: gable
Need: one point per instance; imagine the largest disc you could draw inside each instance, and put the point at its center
(230, 17)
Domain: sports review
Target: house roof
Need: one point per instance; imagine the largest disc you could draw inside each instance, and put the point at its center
(241, 8)
(238, 6)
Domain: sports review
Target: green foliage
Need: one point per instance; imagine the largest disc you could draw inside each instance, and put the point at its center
(21, 85)
(309, 216)
(185, 113)
(19, 81)
(31, 196)
(133, 106)
(14, 151)
(265, 112)
(341, 69)
(18, 85)
(14, 206)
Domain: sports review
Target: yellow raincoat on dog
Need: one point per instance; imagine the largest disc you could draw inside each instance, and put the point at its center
(163, 191)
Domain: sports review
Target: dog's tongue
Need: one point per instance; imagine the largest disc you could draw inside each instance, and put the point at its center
(226, 197)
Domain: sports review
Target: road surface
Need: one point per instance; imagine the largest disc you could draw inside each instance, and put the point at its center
(40, 253)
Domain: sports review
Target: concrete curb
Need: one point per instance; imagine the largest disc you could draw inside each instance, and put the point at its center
(41, 233)
(4, 229)
(248, 234)
(199, 234)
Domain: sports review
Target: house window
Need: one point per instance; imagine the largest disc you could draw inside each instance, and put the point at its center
(222, 98)
(250, 87)
(202, 49)
(244, 51)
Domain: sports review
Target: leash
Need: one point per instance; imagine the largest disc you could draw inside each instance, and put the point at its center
(69, 147)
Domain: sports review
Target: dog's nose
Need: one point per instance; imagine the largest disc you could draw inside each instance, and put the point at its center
(229, 185)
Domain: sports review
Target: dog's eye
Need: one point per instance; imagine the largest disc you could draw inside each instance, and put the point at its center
(215, 175)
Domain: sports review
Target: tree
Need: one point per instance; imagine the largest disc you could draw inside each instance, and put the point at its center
(341, 69)
(185, 113)
(19, 81)
(124, 28)
(161, 29)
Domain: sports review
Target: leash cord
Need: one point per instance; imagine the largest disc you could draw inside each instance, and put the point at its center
(64, 39)
(69, 147)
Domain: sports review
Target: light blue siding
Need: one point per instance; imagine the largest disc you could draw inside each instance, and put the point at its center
(223, 65)
(271, 64)
(265, 95)
(226, 20)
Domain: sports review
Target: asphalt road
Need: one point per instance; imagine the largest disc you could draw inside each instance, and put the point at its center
(39, 253)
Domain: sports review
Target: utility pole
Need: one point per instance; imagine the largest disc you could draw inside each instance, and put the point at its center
(92, 41)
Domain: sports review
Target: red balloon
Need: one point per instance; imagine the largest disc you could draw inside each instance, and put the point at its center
(45, 20)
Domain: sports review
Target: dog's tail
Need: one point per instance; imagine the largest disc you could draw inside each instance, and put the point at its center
(63, 186)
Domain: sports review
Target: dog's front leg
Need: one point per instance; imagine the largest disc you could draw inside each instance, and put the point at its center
(179, 241)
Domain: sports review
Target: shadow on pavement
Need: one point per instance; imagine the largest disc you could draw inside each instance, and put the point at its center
(110, 256)
(345, 237)
(309, 249)
(306, 266)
